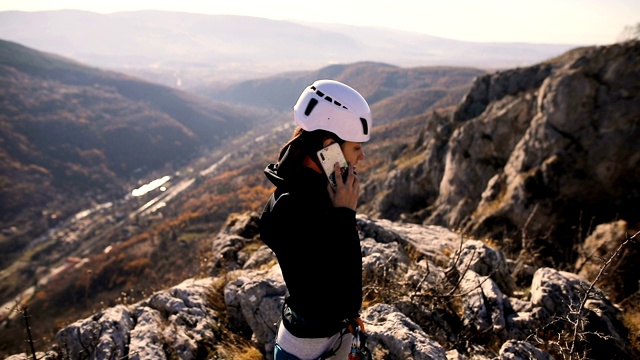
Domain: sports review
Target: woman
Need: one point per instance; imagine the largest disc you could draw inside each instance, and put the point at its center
(311, 226)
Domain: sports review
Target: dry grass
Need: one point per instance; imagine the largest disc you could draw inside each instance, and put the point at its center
(632, 321)
(215, 296)
(242, 352)
(493, 243)
(229, 345)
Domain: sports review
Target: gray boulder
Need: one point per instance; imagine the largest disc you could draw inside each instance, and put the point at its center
(599, 322)
(175, 321)
(228, 246)
(523, 325)
(485, 261)
(254, 301)
(435, 242)
(522, 350)
(483, 310)
(103, 336)
(390, 329)
(596, 250)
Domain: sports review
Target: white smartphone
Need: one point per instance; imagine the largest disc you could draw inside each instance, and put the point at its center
(330, 155)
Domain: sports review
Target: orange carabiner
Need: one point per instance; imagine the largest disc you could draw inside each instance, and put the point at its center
(359, 324)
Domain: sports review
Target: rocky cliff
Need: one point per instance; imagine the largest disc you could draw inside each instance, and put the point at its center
(540, 154)
(429, 294)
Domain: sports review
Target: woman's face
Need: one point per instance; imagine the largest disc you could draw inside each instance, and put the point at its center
(352, 152)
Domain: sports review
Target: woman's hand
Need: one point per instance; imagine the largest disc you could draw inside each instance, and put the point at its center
(346, 193)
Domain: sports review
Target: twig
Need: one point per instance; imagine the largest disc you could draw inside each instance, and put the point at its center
(526, 225)
(461, 275)
(458, 254)
(25, 315)
(424, 278)
(524, 245)
(591, 286)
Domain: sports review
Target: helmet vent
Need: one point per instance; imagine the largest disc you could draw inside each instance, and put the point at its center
(365, 126)
(310, 106)
(326, 97)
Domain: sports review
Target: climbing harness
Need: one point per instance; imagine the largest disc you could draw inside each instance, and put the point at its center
(359, 350)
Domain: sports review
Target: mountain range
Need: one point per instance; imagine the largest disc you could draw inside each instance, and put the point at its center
(189, 50)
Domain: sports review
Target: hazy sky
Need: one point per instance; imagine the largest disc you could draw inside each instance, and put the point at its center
(586, 22)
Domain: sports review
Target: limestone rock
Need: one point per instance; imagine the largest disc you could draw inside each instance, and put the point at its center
(389, 328)
(561, 293)
(521, 325)
(522, 350)
(178, 319)
(416, 184)
(556, 142)
(262, 257)
(477, 151)
(485, 261)
(433, 241)
(494, 87)
(237, 233)
(483, 312)
(598, 247)
(254, 302)
(105, 335)
(556, 291)
(578, 154)
(50, 355)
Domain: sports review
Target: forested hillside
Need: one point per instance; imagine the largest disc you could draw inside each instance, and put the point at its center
(69, 131)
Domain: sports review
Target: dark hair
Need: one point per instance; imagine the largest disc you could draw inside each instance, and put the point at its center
(306, 143)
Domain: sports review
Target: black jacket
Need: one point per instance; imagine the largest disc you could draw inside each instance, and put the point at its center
(317, 246)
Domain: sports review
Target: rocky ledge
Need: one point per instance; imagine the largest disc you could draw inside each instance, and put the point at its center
(429, 294)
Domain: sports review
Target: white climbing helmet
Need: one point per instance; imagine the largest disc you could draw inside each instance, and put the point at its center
(333, 106)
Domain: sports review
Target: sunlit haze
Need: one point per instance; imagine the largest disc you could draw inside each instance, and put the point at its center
(585, 22)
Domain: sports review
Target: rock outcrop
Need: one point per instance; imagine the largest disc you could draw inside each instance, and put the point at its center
(604, 241)
(430, 294)
(548, 149)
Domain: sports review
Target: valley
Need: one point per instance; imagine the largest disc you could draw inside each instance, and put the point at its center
(116, 187)
(72, 242)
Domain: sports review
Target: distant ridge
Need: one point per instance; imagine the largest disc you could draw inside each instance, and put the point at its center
(185, 49)
(393, 92)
